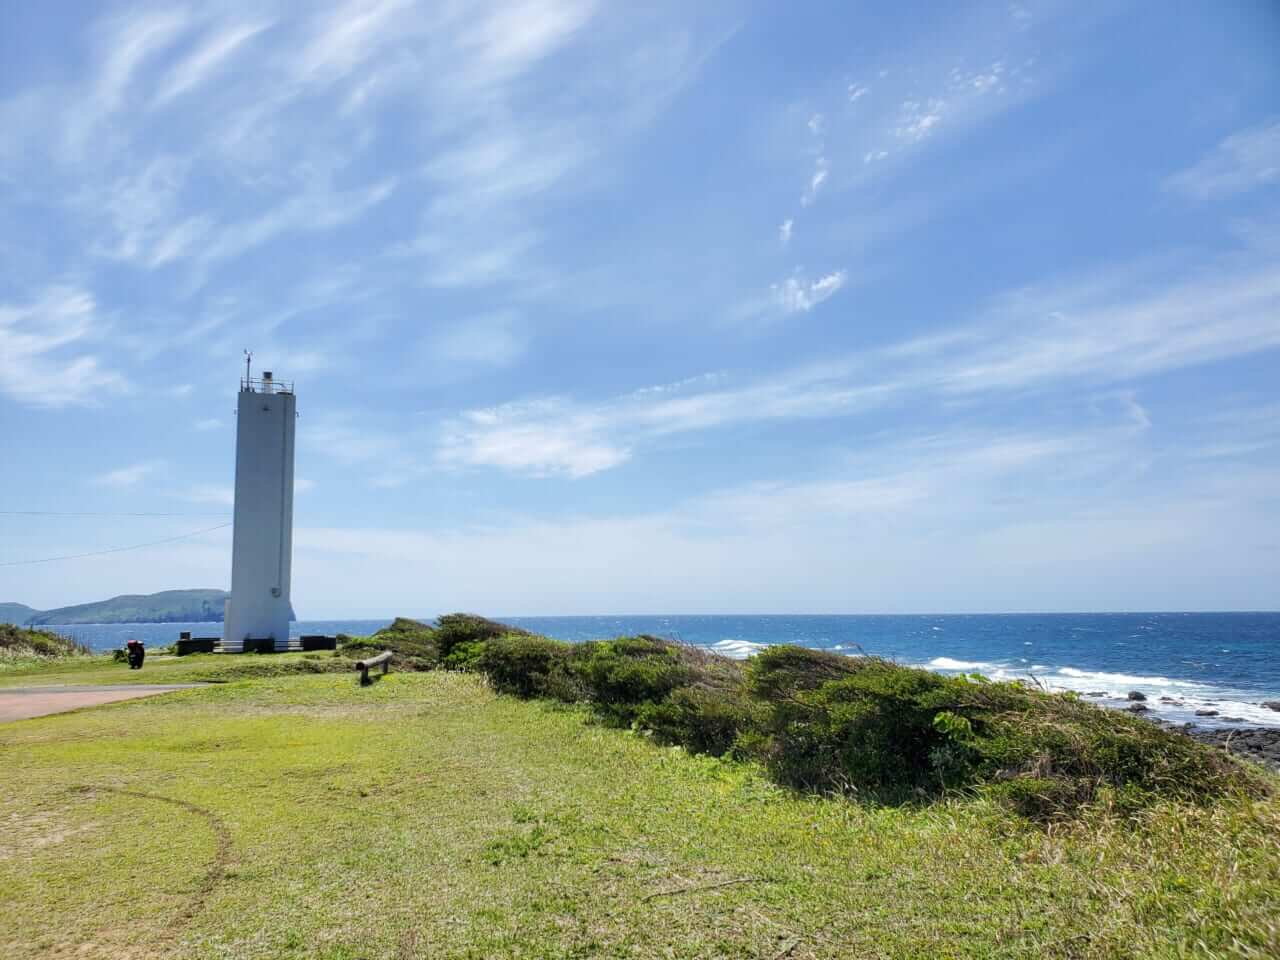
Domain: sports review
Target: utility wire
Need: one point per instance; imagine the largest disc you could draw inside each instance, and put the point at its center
(99, 553)
(56, 513)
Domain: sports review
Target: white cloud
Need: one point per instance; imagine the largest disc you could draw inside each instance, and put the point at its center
(348, 441)
(540, 438)
(1097, 333)
(128, 43)
(918, 120)
(463, 348)
(129, 476)
(784, 231)
(141, 210)
(203, 63)
(1246, 160)
(816, 181)
(317, 207)
(40, 360)
(211, 423)
(956, 525)
(797, 295)
(212, 493)
(303, 485)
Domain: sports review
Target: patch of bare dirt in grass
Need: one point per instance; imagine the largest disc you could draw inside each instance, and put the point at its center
(20, 834)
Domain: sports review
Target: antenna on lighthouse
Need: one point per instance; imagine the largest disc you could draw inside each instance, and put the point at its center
(248, 359)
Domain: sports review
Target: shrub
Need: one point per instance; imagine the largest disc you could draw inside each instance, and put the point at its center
(701, 719)
(626, 674)
(783, 671)
(412, 643)
(825, 722)
(455, 628)
(896, 733)
(465, 655)
(871, 730)
(25, 642)
(531, 666)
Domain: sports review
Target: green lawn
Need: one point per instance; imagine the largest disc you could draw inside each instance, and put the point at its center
(157, 668)
(425, 817)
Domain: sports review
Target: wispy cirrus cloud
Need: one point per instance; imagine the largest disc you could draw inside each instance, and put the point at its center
(540, 438)
(462, 348)
(129, 476)
(960, 512)
(211, 493)
(43, 358)
(1097, 332)
(203, 63)
(1245, 160)
(796, 295)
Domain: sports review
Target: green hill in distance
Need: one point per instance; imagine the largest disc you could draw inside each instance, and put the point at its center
(167, 606)
(16, 613)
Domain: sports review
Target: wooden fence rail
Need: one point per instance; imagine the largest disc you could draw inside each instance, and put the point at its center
(383, 659)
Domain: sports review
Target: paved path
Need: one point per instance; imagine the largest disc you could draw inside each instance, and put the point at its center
(20, 703)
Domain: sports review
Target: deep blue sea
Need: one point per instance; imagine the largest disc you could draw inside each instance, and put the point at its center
(1228, 662)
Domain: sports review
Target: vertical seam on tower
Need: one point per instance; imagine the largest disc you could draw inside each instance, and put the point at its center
(284, 460)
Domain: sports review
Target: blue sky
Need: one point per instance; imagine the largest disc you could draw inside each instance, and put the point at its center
(651, 308)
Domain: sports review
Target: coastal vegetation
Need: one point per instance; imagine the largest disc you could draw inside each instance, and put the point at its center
(427, 815)
(20, 647)
(857, 726)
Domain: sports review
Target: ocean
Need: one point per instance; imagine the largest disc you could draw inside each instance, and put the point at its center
(1228, 662)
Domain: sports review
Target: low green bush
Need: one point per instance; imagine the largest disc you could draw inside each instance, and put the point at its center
(455, 628)
(777, 673)
(896, 733)
(413, 644)
(625, 675)
(702, 720)
(464, 656)
(823, 722)
(531, 666)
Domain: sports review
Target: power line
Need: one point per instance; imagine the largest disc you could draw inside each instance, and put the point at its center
(56, 513)
(99, 553)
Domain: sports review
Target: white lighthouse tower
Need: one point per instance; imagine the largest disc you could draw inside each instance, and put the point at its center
(262, 538)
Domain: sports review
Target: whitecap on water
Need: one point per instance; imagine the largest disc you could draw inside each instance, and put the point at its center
(737, 649)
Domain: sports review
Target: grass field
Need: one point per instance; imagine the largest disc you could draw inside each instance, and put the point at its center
(100, 669)
(303, 816)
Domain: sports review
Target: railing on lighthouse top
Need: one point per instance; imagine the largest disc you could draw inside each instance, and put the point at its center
(265, 384)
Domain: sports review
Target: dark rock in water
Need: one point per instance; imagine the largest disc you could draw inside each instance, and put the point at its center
(1206, 713)
(1233, 719)
(1096, 693)
(1271, 704)
(1137, 695)
(1169, 700)
(1137, 708)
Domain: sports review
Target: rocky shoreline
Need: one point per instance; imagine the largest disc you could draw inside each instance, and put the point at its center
(1256, 743)
(1259, 744)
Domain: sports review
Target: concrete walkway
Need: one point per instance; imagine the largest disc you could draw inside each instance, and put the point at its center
(21, 703)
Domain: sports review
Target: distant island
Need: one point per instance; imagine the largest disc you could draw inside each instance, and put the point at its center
(167, 606)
